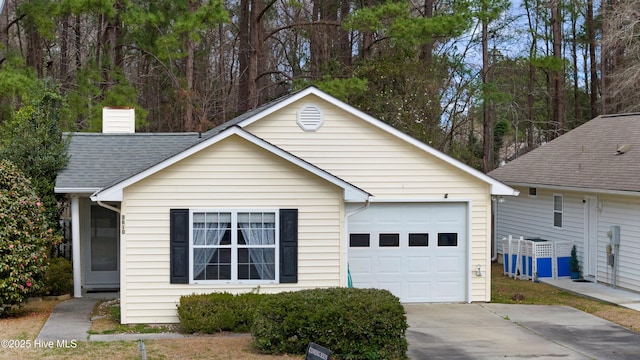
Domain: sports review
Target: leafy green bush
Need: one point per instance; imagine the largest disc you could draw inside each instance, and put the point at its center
(32, 140)
(25, 238)
(58, 279)
(211, 313)
(353, 323)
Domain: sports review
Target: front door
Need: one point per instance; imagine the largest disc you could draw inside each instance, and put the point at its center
(590, 236)
(101, 249)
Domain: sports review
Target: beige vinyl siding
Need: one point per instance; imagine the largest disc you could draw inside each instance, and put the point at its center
(232, 174)
(385, 166)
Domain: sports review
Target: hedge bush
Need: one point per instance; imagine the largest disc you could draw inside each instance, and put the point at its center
(58, 279)
(25, 239)
(353, 323)
(211, 313)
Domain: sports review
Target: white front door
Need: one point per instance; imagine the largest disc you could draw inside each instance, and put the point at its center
(590, 261)
(417, 251)
(100, 249)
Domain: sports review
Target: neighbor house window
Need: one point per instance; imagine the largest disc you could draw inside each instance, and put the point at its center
(557, 210)
(533, 191)
(234, 246)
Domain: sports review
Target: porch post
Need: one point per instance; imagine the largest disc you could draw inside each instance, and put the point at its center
(75, 245)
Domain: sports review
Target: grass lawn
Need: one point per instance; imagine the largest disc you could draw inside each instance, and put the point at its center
(30, 320)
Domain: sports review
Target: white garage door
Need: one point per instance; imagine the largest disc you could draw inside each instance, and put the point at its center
(417, 251)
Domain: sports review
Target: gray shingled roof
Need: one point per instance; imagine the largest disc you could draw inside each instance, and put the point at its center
(237, 120)
(585, 157)
(97, 160)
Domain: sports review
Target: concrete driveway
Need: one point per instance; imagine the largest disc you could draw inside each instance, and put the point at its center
(491, 331)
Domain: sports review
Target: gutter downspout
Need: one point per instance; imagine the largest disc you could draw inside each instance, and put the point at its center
(346, 230)
(494, 200)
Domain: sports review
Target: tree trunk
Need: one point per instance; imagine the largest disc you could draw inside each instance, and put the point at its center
(558, 76)
(245, 88)
(78, 43)
(486, 111)
(190, 124)
(592, 60)
(426, 53)
(344, 53)
(35, 54)
(604, 60)
(64, 50)
(367, 36)
(258, 62)
(531, 83)
(574, 55)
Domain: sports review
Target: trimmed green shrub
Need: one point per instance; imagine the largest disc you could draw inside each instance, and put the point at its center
(353, 323)
(58, 279)
(25, 239)
(211, 313)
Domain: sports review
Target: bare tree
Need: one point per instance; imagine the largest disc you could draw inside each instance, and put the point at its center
(621, 48)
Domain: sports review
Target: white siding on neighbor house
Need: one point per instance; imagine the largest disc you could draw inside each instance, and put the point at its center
(532, 216)
(624, 212)
(385, 166)
(529, 216)
(232, 174)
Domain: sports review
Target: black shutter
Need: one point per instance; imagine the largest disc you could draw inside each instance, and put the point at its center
(179, 245)
(288, 245)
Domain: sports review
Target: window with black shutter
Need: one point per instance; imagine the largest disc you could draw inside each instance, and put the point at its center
(234, 246)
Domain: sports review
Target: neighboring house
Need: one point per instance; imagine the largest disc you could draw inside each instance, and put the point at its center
(575, 188)
(303, 192)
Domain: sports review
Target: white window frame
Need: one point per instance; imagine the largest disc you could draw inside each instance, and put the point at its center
(234, 246)
(556, 211)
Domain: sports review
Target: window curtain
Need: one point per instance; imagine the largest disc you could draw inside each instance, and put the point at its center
(208, 237)
(262, 258)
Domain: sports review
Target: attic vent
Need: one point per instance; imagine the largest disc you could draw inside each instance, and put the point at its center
(310, 118)
(118, 120)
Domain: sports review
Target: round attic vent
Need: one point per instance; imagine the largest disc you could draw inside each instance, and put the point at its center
(310, 118)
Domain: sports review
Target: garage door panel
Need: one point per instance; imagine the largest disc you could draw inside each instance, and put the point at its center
(422, 272)
(389, 265)
(448, 265)
(418, 290)
(418, 264)
(415, 216)
(447, 290)
(361, 265)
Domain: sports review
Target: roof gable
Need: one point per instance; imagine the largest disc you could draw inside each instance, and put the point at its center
(586, 157)
(496, 187)
(115, 192)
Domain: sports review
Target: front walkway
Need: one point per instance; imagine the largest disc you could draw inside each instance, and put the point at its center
(625, 298)
(70, 320)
